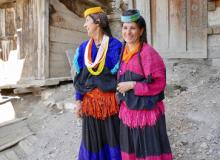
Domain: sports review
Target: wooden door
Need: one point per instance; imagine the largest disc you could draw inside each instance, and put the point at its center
(176, 28)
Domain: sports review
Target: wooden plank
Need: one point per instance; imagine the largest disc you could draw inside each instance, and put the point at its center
(4, 99)
(144, 7)
(131, 4)
(62, 47)
(70, 54)
(66, 36)
(2, 22)
(27, 37)
(60, 66)
(213, 40)
(9, 138)
(12, 122)
(59, 62)
(214, 52)
(5, 1)
(62, 17)
(188, 54)
(41, 12)
(218, 3)
(216, 29)
(211, 6)
(153, 22)
(37, 83)
(32, 24)
(34, 90)
(10, 24)
(161, 40)
(214, 18)
(177, 25)
(214, 46)
(197, 26)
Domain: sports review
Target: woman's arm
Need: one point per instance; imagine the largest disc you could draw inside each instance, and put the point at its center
(148, 89)
(154, 67)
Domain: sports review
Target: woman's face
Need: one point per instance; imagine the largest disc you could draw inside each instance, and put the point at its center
(90, 26)
(131, 33)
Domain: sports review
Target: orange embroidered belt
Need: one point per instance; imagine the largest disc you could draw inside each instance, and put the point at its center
(99, 104)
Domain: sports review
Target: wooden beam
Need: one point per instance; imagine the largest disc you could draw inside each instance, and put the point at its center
(6, 1)
(20, 131)
(211, 6)
(42, 14)
(216, 29)
(36, 83)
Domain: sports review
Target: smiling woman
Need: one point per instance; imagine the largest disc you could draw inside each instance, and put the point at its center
(140, 89)
(96, 63)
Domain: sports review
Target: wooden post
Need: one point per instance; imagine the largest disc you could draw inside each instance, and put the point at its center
(42, 14)
(145, 9)
(32, 28)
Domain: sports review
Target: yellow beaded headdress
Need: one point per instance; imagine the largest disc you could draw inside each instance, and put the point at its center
(93, 11)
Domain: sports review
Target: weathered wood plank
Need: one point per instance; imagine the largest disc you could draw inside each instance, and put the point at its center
(59, 61)
(153, 22)
(214, 18)
(5, 1)
(62, 47)
(177, 25)
(70, 54)
(37, 83)
(197, 26)
(10, 24)
(34, 90)
(41, 14)
(188, 54)
(214, 46)
(59, 65)
(62, 17)
(144, 7)
(27, 37)
(216, 29)
(2, 22)
(9, 138)
(32, 24)
(66, 36)
(131, 4)
(211, 6)
(218, 3)
(161, 32)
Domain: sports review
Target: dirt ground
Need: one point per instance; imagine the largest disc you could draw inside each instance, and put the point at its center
(192, 115)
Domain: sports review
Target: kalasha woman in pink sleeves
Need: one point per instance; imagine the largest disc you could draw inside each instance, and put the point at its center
(141, 84)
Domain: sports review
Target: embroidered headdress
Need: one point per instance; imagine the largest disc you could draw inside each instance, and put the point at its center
(131, 18)
(93, 10)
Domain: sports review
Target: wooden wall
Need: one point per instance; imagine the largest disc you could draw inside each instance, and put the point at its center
(8, 36)
(27, 35)
(176, 28)
(32, 30)
(66, 31)
(214, 27)
(214, 13)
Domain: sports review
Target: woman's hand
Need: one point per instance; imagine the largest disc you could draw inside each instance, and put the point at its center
(78, 109)
(125, 86)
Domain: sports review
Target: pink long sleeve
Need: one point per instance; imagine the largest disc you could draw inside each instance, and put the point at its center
(152, 65)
